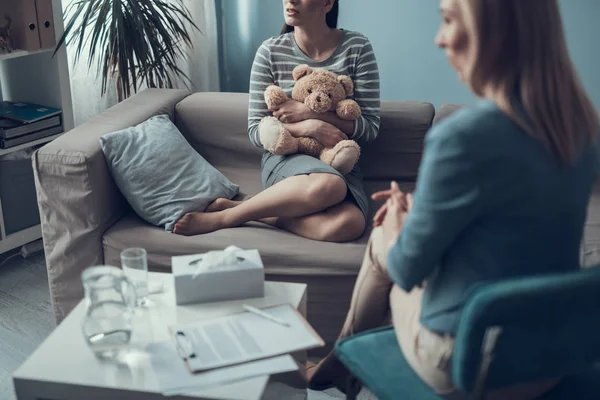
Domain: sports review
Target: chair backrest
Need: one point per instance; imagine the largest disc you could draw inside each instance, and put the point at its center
(537, 328)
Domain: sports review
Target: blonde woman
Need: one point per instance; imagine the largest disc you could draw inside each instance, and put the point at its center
(502, 192)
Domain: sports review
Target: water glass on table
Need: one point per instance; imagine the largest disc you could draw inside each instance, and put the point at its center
(135, 268)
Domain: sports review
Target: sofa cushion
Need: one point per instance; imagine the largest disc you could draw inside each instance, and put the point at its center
(396, 153)
(216, 125)
(282, 252)
(159, 186)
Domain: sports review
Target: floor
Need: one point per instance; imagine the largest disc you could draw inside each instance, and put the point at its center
(25, 314)
(26, 319)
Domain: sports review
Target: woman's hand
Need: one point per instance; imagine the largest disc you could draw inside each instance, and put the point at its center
(293, 111)
(323, 132)
(394, 219)
(385, 195)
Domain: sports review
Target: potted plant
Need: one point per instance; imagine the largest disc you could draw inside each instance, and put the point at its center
(135, 42)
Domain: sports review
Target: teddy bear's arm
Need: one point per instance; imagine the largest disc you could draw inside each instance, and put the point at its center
(348, 110)
(275, 96)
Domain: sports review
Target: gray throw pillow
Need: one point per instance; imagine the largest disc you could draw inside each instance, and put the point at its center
(160, 174)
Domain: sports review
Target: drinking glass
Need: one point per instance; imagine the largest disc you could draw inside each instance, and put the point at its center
(135, 268)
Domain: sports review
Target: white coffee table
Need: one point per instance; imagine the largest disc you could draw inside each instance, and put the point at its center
(64, 367)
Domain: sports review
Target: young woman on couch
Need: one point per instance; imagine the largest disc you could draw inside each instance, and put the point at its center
(302, 194)
(503, 188)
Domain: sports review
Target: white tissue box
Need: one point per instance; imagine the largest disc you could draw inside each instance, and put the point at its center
(243, 279)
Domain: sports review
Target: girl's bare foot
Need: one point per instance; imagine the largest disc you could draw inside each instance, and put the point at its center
(221, 204)
(196, 223)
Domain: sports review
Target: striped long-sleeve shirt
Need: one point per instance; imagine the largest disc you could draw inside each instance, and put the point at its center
(277, 57)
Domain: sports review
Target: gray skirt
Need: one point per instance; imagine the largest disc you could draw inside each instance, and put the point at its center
(277, 168)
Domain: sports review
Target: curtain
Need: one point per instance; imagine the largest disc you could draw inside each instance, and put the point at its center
(201, 65)
(245, 24)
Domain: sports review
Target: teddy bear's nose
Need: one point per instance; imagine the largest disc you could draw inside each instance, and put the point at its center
(318, 99)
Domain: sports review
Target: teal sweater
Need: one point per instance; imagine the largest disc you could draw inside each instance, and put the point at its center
(490, 203)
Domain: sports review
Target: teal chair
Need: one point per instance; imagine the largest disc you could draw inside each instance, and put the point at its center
(510, 332)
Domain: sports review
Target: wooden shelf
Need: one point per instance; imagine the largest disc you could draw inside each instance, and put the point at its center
(21, 53)
(30, 144)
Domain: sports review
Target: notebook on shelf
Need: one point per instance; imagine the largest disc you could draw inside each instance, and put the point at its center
(30, 137)
(10, 129)
(26, 112)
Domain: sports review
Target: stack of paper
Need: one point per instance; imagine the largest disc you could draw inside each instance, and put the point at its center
(234, 347)
(174, 378)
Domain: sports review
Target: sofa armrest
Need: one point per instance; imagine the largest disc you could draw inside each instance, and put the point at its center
(77, 197)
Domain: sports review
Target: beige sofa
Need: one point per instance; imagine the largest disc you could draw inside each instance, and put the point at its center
(86, 220)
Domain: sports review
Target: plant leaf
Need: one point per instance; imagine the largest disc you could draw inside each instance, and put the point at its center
(135, 41)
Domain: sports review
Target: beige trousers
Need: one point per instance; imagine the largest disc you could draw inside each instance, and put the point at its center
(428, 353)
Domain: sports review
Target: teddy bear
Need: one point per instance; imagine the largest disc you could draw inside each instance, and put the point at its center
(322, 91)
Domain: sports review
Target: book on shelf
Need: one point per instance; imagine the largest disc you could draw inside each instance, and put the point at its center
(30, 137)
(10, 128)
(26, 113)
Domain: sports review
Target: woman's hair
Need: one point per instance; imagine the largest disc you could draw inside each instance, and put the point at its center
(520, 50)
(331, 18)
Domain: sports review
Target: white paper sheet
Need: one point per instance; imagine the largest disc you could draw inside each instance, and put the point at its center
(174, 377)
(245, 337)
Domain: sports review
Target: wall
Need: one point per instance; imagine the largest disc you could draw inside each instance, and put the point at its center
(583, 35)
(402, 33)
(411, 67)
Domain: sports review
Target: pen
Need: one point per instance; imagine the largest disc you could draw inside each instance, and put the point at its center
(263, 314)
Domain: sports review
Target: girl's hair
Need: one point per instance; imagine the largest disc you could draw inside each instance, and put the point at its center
(520, 45)
(331, 18)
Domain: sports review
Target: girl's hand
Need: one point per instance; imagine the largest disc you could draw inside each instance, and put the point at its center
(325, 133)
(293, 111)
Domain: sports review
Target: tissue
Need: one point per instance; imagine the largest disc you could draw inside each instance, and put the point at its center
(230, 274)
(217, 259)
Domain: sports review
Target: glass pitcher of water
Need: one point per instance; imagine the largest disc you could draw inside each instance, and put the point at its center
(110, 301)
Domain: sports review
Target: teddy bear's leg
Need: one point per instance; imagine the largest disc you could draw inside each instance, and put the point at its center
(275, 138)
(343, 157)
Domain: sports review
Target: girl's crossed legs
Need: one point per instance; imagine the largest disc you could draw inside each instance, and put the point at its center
(314, 206)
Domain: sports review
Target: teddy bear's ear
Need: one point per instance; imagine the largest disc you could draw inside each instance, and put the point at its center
(301, 71)
(347, 84)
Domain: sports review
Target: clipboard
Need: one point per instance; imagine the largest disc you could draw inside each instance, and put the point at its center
(202, 352)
